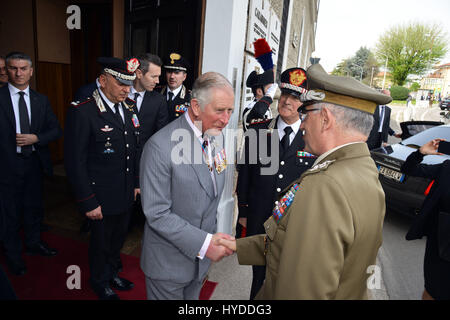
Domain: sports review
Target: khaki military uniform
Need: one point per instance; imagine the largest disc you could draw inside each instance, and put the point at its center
(329, 236)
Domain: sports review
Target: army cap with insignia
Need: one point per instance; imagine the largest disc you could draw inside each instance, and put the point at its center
(294, 81)
(343, 91)
(122, 70)
(176, 62)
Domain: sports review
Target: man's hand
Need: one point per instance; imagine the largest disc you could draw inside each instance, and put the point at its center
(398, 135)
(26, 139)
(95, 214)
(136, 192)
(216, 251)
(431, 147)
(230, 244)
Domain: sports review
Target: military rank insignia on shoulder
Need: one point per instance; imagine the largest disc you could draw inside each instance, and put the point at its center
(79, 103)
(321, 166)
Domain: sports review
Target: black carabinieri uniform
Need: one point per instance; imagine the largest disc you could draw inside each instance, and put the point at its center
(179, 104)
(100, 156)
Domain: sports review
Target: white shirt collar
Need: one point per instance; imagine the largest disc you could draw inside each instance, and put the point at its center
(13, 90)
(133, 91)
(109, 103)
(295, 126)
(196, 130)
(175, 92)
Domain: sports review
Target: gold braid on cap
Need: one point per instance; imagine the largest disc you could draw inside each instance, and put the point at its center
(120, 75)
(347, 101)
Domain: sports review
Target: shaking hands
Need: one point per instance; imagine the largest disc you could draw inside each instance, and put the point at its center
(221, 245)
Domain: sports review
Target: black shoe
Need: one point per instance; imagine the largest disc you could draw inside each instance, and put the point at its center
(121, 284)
(41, 248)
(105, 293)
(16, 267)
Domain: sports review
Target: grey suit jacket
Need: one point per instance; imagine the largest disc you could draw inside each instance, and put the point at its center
(179, 203)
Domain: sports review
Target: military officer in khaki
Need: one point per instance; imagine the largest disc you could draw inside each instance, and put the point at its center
(325, 230)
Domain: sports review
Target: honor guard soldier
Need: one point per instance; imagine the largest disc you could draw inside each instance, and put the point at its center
(178, 97)
(258, 186)
(263, 88)
(100, 154)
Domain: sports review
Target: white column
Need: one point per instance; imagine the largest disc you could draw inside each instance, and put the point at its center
(223, 52)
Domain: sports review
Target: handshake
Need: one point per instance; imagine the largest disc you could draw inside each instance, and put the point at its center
(221, 245)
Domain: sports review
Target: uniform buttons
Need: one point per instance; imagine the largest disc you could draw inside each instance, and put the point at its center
(128, 157)
(128, 145)
(128, 169)
(108, 138)
(301, 160)
(276, 202)
(282, 163)
(280, 176)
(126, 133)
(278, 189)
(93, 182)
(306, 163)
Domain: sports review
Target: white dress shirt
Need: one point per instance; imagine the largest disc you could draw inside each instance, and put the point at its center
(139, 99)
(281, 125)
(111, 104)
(15, 96)
(175, 92)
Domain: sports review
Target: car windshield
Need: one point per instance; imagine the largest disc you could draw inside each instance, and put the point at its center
(418, 140)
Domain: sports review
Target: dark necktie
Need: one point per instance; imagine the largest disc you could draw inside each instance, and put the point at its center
(118, 116)
(285, 140)
(170, 96)
(136, 96)
(24, 122)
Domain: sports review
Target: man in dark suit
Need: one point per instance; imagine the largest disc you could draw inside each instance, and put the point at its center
(86, 91)
(260, 184)
(27, 125)
(379, 134)
(100, 157)
(177, 96)
(151, 105)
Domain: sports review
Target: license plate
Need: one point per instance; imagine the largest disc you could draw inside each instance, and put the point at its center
(392, 174)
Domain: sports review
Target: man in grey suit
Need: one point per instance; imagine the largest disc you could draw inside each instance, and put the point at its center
(182, 178)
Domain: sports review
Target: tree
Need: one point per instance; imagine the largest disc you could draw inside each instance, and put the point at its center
(363, 60)
(411, 49)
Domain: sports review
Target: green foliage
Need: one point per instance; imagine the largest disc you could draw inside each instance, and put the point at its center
(363, 61)
(411, 49)
(399, 93)
(414, 87)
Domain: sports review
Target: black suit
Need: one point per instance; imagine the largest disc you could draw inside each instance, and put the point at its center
(257, 192)
(153, 115)
(178, 105)
(376, 139)
(21, 176)
(433, 221)
(100, 157)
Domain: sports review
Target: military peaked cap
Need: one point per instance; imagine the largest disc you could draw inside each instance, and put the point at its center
(122, 70)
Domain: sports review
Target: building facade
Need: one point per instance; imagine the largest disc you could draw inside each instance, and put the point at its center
(65, 38)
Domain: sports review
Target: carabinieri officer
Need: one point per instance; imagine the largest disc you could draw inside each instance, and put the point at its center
(100, 154)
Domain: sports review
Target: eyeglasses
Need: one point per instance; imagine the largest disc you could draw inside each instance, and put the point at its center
(304, 112)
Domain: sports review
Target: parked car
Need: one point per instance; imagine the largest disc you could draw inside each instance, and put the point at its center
(445, 104)
(404, 193)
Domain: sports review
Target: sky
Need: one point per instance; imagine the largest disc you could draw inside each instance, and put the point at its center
(344, 26)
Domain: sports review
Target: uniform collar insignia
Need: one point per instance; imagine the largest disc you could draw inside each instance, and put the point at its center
(98, 101)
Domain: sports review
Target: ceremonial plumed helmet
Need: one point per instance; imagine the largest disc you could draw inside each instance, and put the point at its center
(122, 70)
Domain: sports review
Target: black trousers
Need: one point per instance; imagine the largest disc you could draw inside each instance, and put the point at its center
(25, 201)
(107, 238)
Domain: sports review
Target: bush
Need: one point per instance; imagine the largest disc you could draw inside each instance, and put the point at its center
(399, 93)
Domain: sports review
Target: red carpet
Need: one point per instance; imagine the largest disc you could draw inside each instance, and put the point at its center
(46, 278)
